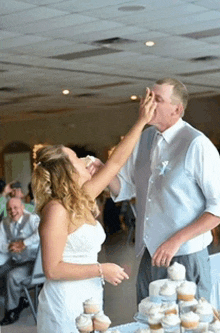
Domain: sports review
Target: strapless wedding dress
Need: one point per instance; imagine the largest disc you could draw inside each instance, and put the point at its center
(60, 302)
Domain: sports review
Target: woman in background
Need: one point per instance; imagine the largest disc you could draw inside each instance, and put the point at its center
(65, 193)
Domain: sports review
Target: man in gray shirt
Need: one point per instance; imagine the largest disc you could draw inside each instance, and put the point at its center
(174, 175)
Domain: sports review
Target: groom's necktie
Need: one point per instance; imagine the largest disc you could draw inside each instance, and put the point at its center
(156, 150)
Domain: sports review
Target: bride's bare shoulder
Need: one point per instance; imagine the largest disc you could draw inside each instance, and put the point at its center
(54, 209)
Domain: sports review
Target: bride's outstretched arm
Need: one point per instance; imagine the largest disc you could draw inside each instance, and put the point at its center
(121, 153)
(54, 232)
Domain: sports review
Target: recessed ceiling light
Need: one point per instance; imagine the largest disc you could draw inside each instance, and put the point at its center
(133, 97)
(150, 43)
(66, 92)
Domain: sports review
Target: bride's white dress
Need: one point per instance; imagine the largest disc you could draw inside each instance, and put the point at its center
(60, 302)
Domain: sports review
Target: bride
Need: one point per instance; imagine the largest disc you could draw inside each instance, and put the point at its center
(65, 192)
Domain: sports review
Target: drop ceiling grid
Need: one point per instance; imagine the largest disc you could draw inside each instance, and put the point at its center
(42, 38)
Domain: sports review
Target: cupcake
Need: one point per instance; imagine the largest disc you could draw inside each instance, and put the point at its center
(155, 310)
(145, 305)
(101, 322)
(91, 306)
(186, 291)
(215, 326)
(187, 306)
(88, 160)
(84, 323)
(154, 321)
(176, 272)
(169, 308)
(171, 322)
(168, 292)
(189, 320)
(204, 311)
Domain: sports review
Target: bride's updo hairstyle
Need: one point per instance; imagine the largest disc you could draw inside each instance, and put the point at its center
(55, 178)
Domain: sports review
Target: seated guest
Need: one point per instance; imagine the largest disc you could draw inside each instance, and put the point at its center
(4, 192)
(17, 193)
(19, 242)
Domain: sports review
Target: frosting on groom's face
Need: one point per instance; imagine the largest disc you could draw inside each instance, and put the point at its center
(15, 209)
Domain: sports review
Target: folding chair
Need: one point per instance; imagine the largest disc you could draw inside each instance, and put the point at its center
(35, 282)
(215, 280)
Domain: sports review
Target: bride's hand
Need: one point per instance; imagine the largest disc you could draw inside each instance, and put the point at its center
(147, 106)
(113, 273)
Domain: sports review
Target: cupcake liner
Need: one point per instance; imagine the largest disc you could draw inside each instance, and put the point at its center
(187, 298)
(155, 326)
(159, 330)
(171, 311)
(189, 325)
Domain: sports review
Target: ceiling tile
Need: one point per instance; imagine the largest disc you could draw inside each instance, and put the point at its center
(10, 6)
(20, 40)
(7, 34)
(27, 16)
(71, 31)
(53, 23)
(41, 2)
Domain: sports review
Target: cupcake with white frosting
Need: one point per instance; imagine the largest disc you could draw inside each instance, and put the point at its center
(205, 311)
(169, 308)
(84, 323)
(155, 310)
(101, 322)
(91, 306)
(154, 321)
(171, 322)
(189, 320)
(168, 292)
(145, 305)
(176, 272)
(186, 291)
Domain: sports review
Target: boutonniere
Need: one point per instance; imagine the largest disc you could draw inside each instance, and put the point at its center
(163, 167)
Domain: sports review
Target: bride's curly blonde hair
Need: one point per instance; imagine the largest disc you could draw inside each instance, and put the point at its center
(55, 178)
